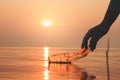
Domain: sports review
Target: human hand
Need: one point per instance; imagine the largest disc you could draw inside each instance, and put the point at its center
(93, 35)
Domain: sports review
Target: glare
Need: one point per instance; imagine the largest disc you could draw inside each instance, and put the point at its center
(46, 74)
(46, 52)
(47, 23)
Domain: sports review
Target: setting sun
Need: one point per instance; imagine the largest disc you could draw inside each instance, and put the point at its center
(46, 23)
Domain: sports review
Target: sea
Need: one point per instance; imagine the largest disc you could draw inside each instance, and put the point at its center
(31, 63)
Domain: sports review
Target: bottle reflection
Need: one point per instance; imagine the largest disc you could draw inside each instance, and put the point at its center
(68, 70)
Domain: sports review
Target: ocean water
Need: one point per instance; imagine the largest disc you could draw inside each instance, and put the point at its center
(30, 63)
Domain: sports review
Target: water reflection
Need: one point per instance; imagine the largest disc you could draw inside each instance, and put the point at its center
(46, 53)
(46, 72)
(62, 71)
(68, 71)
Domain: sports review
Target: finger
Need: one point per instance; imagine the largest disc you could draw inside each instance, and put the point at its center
(93, 43)
(85, 40)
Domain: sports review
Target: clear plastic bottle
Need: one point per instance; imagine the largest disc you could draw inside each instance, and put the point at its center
(68, 57)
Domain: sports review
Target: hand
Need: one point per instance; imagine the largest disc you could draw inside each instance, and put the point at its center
(94, 34)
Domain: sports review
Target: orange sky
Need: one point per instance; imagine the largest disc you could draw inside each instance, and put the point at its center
(20, 22)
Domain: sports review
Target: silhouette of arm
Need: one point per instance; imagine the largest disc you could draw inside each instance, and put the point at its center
(94, 34)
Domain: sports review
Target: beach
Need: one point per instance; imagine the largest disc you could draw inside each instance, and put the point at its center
(30, 63)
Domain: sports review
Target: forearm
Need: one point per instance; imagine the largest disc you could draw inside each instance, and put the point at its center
(109, 18)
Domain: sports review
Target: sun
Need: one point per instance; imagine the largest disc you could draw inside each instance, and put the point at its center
(47, 23)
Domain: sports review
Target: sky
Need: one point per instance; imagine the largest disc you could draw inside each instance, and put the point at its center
(21, 22)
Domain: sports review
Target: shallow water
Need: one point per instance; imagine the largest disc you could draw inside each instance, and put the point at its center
(30, 63)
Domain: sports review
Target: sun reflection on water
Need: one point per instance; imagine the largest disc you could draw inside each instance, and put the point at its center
(46, 72)
(46, 52)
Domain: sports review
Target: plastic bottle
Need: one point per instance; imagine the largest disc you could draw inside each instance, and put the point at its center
(68, 57)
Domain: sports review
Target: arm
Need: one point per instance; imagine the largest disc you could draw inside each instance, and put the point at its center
(95, 33)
